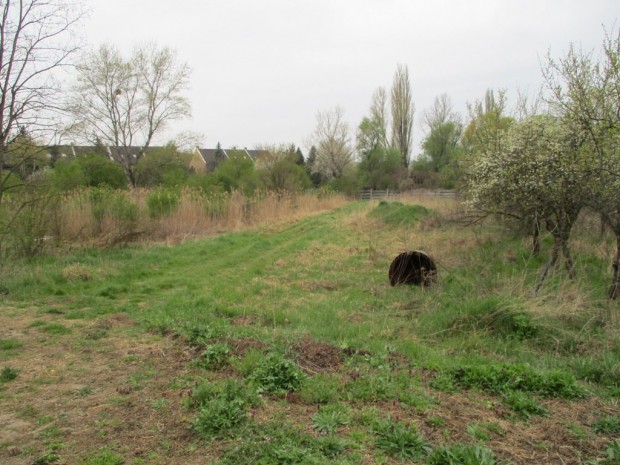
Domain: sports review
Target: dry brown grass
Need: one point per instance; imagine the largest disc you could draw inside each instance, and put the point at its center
(123, 216)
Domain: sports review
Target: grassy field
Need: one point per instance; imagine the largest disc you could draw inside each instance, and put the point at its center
(287, 345)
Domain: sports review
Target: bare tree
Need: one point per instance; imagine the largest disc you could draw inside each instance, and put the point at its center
(333, 144)
(439, 114)
(379, 113)
(35, 40)
(126, 102)
(402, 113)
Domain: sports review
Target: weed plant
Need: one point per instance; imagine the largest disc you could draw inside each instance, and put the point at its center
(330, 418)
(276, 374)
(276, 443)
(612, 455)
(461, 454)
(502, 378)
(523, 404)
(400, 440)
(104, 456)
(215, 356)
(609, 424)
(222, 408)
(8, 374)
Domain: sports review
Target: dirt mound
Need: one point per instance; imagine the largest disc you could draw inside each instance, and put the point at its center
(317, 357)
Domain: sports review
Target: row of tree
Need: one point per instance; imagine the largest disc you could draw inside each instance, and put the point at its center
(557, 157)
(383, 144)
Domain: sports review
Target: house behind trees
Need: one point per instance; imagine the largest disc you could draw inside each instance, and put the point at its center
(207, 160)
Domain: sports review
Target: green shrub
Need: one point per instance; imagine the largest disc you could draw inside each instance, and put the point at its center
(221, 407)
(494, 315)
(27, 216)
(277, 374)
(612, 454)
(281, 444)
(200, 335)
(162, 202)
(523, 404)
(461, 454)
(504, 378)
(8, 374)
(215, 356)
(10, 344)
(331, 417)
(400, 440)
(115, 208)
(105, 456)
(603, 369)
(609, 424)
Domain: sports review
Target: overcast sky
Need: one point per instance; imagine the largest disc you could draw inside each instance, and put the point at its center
(261, 69)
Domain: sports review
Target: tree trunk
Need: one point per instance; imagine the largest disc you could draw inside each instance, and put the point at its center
(568, 259)
(614, 291)
(536, 237)
(555, 252)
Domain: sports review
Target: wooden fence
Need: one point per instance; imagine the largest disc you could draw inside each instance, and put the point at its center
(376, 194)
(384, 194)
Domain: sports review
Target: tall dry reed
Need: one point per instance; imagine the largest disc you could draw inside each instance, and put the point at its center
(107, 217)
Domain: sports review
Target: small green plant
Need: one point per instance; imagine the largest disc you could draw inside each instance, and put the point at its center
(478, 432)
(400, 440)
(8, 374)
(331, 446)
(277, 374)
(215, 356)
(496, 378)
(281, 444)
(10, 344)
(443, 382)
(159, 404)
(461, 454)
(221, 407)
(609, 424)
(56, 329)
(201, 335)
(330, 418)
(612, 455)
(524, 404)
(105, 456)
(320, 389)
(45, 459)
(83, 392)
(436, 422)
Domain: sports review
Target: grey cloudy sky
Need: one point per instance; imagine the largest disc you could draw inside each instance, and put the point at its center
(262, 69)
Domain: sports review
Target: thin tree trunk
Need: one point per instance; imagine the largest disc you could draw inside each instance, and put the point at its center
(568, 259)
(614, 291)
(555, 252)
(536, 237)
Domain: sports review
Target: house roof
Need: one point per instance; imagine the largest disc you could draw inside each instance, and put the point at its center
(210, 159)
(119, 153)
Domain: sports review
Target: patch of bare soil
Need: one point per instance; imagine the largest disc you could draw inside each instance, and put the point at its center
(103, 383)
(562, 437)
(316, 357)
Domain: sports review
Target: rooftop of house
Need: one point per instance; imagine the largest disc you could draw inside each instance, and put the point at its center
(210, 156)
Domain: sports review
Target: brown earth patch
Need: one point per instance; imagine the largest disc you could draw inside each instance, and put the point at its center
(240, 346)
(317, 357)
(101, 385)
